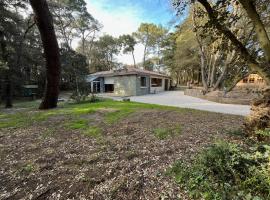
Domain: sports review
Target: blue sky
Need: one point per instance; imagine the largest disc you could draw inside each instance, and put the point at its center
(156, 11)
(124, 17)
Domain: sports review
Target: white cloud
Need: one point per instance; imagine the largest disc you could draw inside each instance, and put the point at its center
(124, 20)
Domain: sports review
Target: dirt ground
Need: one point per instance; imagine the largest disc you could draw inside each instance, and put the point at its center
(48, 161)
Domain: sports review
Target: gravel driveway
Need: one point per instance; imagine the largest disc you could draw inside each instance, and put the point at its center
(178, 99)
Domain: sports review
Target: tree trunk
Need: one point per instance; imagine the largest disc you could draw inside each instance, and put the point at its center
(83, 43)
(7, 82)
(8, 92)
(259, 27)
(221, 78)
(144, 55)
(214, 69)
(202, 53)
(133, 58)
(261, 69)
(51, 50)
(259, 119)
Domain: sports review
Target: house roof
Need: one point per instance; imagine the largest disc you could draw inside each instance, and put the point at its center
(127, 71)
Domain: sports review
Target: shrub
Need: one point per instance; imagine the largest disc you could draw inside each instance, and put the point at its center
(226, 171)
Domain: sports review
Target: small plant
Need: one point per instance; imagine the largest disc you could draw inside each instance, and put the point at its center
(28, 168)
(163, 133)
(263, 135)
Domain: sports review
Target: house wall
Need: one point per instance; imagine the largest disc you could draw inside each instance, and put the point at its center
(109, 80)
(102, 87)
(125, 85)
(142, 90)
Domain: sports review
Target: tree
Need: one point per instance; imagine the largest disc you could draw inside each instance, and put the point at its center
(51, 50)
(101, 53)
(218, 14)
(128, 43)
(12, 34)
(215, 20)
(151, 36)
(181, 54)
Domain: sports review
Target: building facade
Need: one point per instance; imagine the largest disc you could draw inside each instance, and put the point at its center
(251, 80)
(129, 82)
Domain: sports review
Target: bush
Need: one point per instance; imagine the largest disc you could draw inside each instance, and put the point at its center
(226, 171)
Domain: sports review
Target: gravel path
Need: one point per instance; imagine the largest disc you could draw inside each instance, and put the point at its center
(178, 99)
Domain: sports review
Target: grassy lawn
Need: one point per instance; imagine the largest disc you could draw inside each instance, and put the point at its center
(102, 150)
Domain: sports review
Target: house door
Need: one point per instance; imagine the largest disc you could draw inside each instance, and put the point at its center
(96, 87)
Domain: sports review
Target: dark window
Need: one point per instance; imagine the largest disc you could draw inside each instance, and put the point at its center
(109, 88)
(251, 80)
(245, 80)
(143, 81)
(156, 82)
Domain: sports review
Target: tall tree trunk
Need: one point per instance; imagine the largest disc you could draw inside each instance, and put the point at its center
(259, 26)
(134, 62)
(144, 55)
(214, 69)
(202, 53)
(51, 50)
(83, 43)
(7, 82)
(8, 92)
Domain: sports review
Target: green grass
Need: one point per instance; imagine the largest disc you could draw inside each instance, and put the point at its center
(93, 132)
(31, 115)
(164, 133)
(83, 125)
(77, 124)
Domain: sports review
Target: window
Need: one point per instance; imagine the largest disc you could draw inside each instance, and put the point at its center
(143, 81)
(251, 80)
(156, 82)
(260, 80)
(245, 80)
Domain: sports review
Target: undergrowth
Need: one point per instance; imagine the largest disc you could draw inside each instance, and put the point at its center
(226, 171)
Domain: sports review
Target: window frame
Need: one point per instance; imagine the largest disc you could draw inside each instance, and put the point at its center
(157, 85)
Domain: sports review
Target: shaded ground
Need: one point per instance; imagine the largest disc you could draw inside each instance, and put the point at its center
(121, 159)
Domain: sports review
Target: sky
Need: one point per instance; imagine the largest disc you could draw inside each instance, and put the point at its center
(125, 16)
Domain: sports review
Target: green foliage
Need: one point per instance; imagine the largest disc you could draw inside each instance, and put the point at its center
(151, 36)
(263, 133)
(128, 43)
(226, 171)
(164, 133)
(102, 53)
(181, 52)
